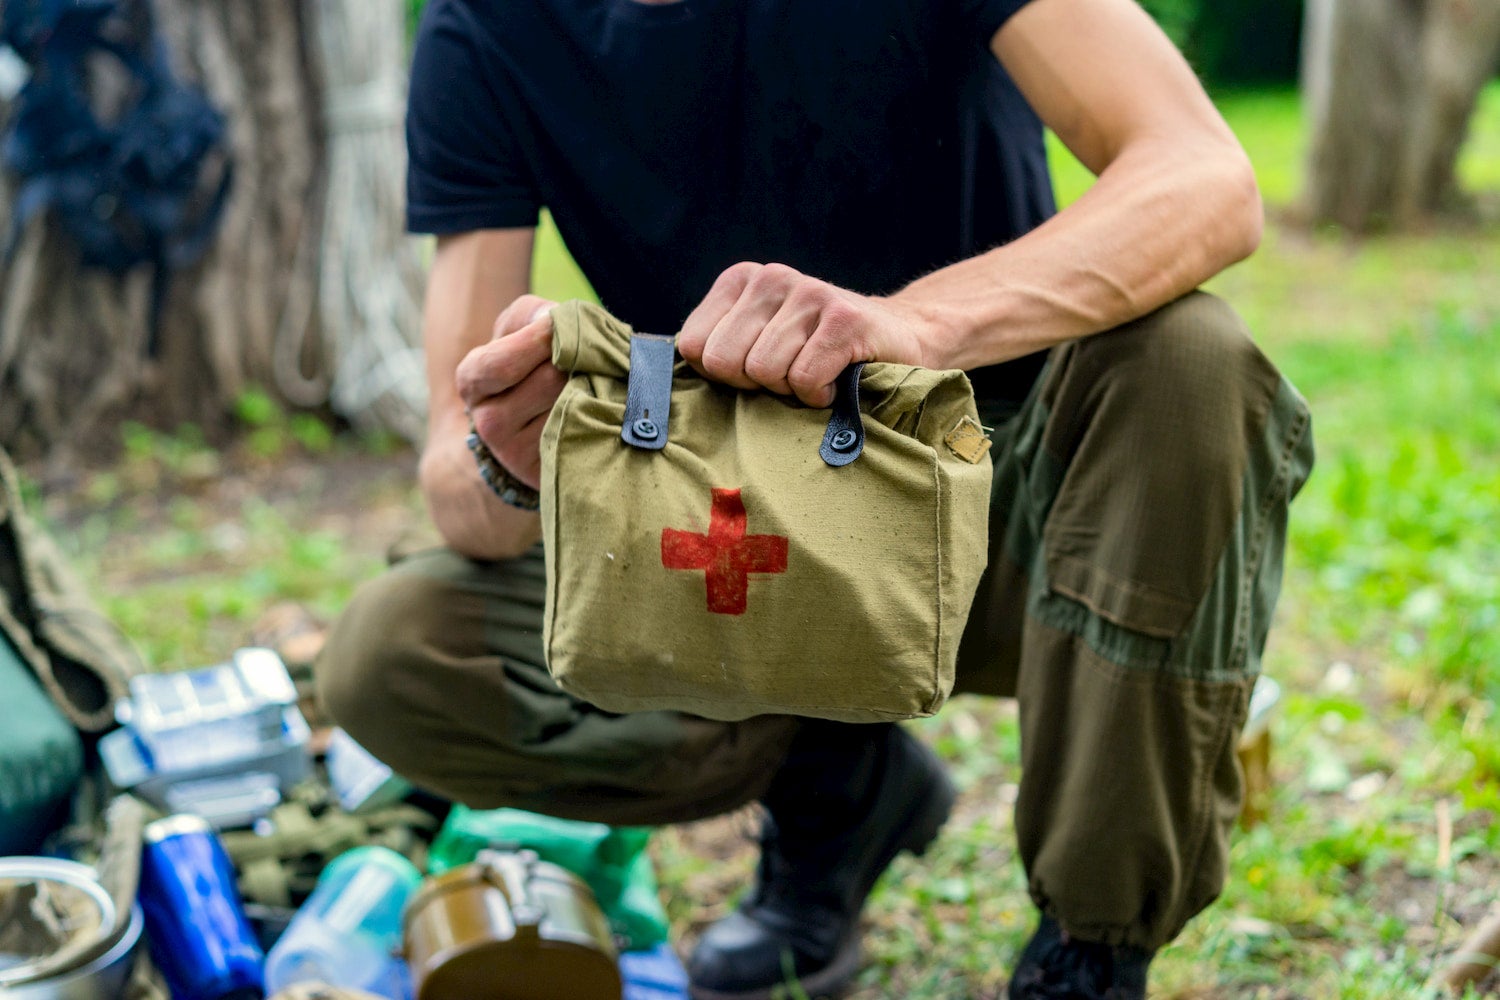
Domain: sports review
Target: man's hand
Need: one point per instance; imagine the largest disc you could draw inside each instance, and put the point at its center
(770, 326)
(509, 385)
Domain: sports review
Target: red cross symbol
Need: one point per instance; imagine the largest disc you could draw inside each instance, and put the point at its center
(726, 554)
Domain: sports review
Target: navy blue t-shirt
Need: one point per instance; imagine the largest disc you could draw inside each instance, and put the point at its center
(863, 142)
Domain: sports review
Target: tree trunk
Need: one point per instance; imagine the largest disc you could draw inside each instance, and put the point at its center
(1389, 87)
(73, 342)
(1461, 46)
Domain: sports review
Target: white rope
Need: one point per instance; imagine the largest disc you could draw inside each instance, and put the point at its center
(370, 274)
(371, 105)
(295, 324)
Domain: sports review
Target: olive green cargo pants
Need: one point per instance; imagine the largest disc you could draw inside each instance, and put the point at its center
(1137, 527)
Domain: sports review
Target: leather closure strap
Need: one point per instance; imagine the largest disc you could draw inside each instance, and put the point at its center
(648, 401)
(845, 437)
(648, 392)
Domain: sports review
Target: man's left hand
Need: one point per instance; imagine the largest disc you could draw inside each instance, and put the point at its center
(770, 326)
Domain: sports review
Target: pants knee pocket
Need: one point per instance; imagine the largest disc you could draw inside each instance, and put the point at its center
(1153, 425)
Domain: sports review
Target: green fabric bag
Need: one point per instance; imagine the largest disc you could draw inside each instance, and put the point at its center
(720, 564)
(41, 758)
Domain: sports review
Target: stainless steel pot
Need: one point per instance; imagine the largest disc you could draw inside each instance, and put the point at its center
(61, 937)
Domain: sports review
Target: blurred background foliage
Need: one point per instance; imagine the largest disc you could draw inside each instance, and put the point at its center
(1234, 42)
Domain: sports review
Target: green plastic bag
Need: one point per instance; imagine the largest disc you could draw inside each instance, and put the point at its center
(611, 859)
(41, 757)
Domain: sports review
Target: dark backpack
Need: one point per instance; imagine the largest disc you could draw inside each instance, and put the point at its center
(127, 192)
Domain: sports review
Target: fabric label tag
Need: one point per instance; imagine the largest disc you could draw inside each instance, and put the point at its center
(967, 440)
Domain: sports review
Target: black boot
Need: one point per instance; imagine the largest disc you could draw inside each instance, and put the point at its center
(1055, 966)
(847, 800)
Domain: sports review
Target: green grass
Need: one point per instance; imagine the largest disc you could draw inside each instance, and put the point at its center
(191, 549)
(1388, 645)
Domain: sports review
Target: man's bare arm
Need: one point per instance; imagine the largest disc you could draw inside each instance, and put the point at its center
(1175, 203)
(474, 277)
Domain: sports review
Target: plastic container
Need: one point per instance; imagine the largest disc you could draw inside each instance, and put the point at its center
(360, 780)
(654, 974)
(195, 718)
(348, 933)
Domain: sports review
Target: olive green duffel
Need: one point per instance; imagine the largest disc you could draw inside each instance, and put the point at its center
(729, 553)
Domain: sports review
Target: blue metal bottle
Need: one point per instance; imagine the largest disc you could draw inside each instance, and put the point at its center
(200, 938)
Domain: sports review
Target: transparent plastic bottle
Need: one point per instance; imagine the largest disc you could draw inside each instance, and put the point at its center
(348, 933)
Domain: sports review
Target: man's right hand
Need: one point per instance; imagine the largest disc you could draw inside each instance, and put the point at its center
(508, 386)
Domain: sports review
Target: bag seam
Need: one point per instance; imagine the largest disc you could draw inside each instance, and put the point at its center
(564, 405)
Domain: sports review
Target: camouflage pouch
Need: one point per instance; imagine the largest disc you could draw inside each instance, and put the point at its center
(78, 655)
(729, 553)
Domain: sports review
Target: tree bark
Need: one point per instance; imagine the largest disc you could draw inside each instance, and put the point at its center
(73, 342)
(1461, 46)
(1388, 90)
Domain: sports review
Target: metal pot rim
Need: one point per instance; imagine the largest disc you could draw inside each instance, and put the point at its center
(75, 876)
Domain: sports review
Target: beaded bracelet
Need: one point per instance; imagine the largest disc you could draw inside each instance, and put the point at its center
(498, 478)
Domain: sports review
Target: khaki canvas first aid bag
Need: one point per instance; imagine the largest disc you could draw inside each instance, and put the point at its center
(729, 553)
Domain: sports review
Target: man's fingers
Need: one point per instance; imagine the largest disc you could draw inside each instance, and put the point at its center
(749, 340)
(521, 313)
(499, 417)
(771, 326)
(509, 385)
(524, 460)
(701, 322)
(729, 345)
(494, 367)
(511, 424)
(770, 360)
(832, 347)
(537, 392)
